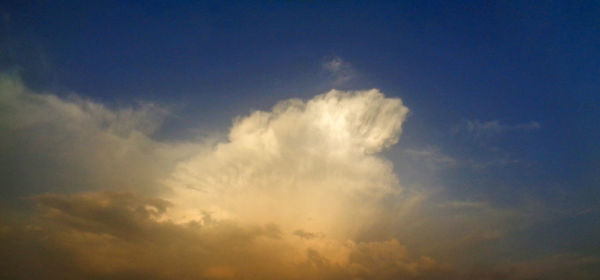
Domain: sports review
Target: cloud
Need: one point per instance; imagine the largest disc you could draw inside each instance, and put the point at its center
(339, 70)
(431, 155)
(466, 205)
(121, 235)
(282, 175)
(480, 128)
(118, 235)
(307, 235)
(311, 164)
(118, 214)
(481, 151)
(53, 143)
(302, 191)
(307, 169)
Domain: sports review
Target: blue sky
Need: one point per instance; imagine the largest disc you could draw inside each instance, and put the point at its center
(503, 97)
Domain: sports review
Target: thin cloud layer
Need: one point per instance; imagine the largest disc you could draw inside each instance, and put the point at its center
(480, 128)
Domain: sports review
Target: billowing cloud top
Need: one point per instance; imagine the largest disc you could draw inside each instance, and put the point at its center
(308, 164)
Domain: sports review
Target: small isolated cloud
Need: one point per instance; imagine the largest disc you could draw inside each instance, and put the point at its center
(431, 155)
(339, 71)
(480, 128)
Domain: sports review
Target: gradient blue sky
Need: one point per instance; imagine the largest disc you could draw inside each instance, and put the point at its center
(504, 97)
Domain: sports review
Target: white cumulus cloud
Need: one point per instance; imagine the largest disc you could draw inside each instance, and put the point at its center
(312, 165)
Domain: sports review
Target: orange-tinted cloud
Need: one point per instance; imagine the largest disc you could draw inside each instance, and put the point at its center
(114, 235)
(302, 191)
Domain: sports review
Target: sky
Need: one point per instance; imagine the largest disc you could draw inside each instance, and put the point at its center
(299, 140)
